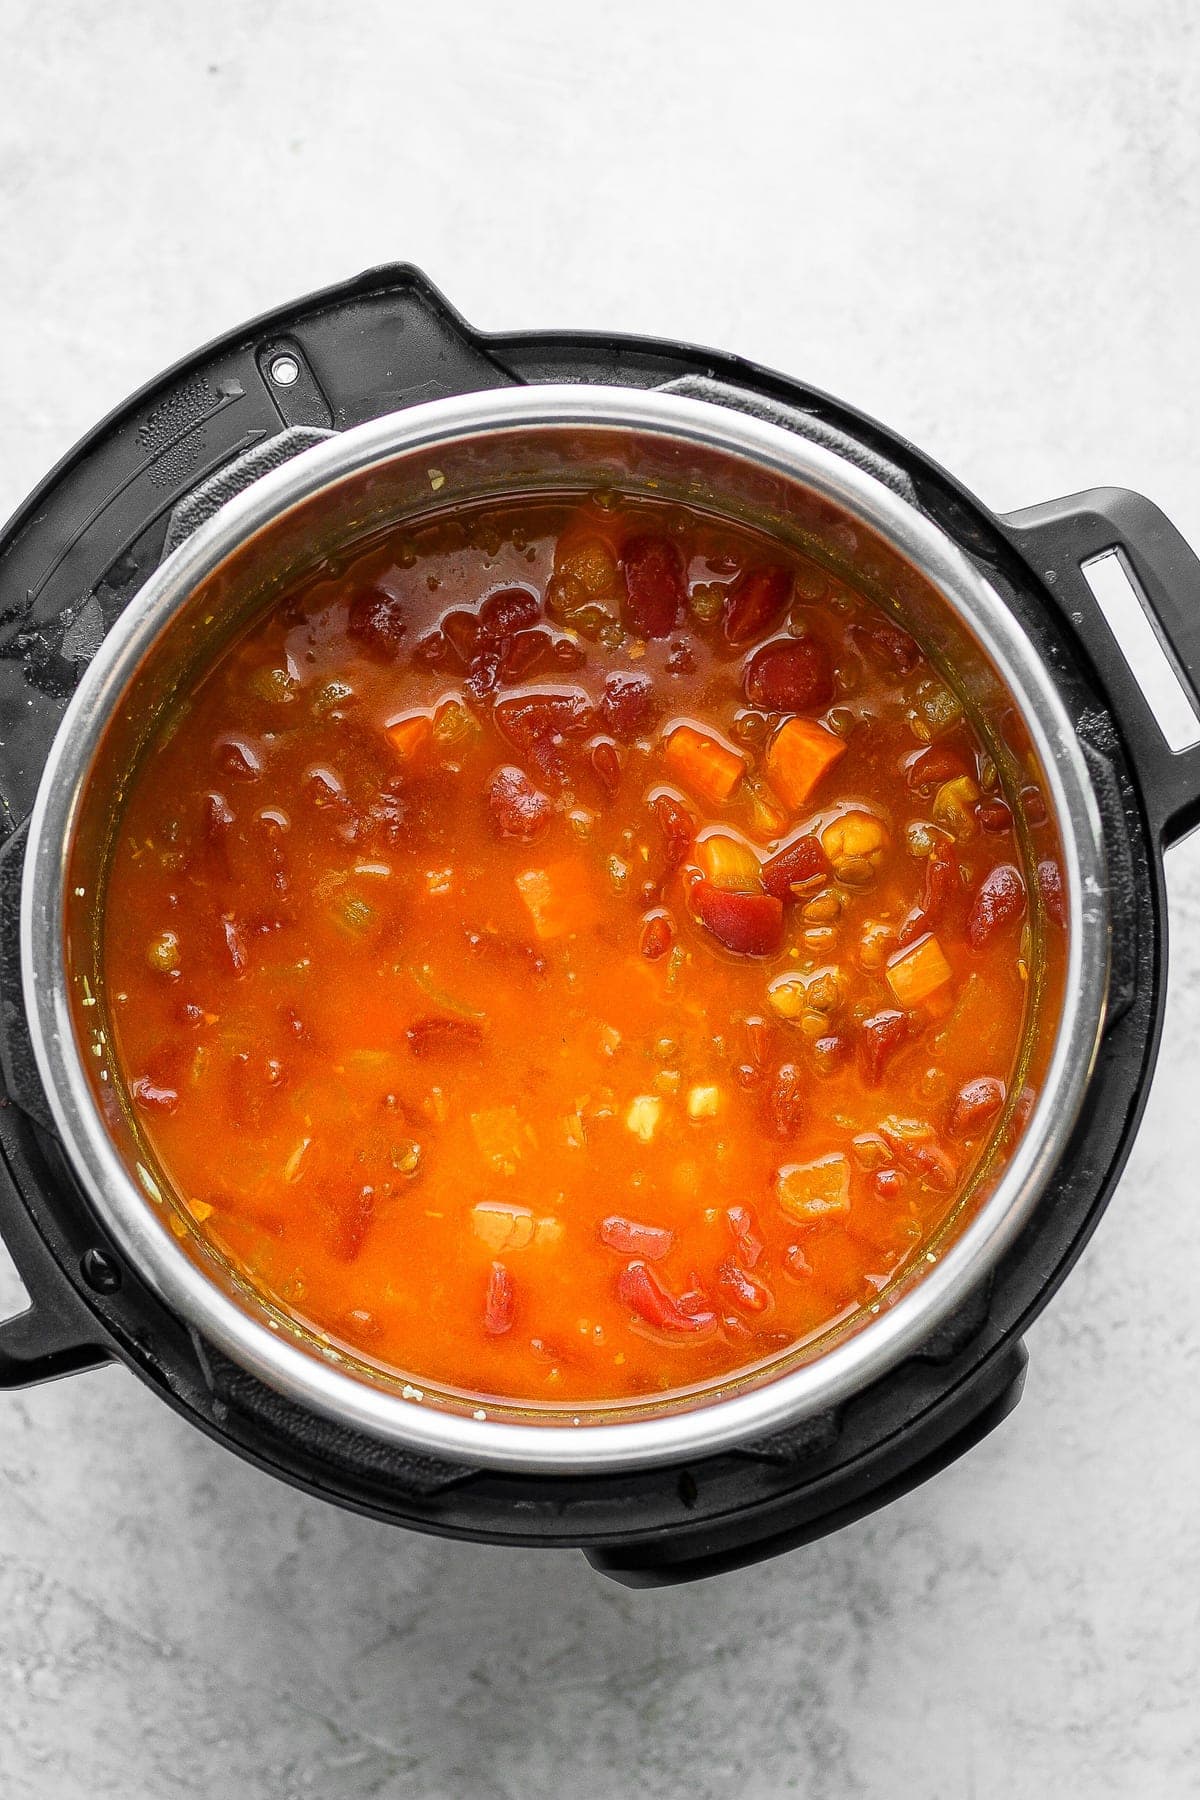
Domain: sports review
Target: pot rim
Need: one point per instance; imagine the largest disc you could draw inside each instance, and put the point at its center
(708, 1426)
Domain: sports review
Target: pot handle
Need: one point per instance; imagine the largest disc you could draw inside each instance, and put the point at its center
(902, 1462)
(1056, 539)
(56, 1334)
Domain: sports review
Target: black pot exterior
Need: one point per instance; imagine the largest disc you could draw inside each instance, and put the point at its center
(88, 539)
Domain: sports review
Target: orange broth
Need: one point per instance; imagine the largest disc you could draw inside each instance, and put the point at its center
(571, 952)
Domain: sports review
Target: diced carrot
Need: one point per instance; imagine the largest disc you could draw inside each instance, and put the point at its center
(915, 973)
(704, 763)
(797, 757)
(558, 898)
(409, 735)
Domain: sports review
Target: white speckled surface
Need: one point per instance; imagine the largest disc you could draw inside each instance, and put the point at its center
(982, 224)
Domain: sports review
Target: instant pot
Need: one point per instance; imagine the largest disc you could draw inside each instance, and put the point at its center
(356, 408)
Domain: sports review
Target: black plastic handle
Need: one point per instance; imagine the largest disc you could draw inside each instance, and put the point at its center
(56, 1334)
(1056, 539)
(955, 1425)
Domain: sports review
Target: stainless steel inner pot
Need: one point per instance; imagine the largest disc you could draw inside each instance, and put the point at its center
(506, 443)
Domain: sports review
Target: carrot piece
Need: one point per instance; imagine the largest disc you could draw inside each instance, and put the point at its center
(797, 757)
(915, 973)
(409, 735)
(704, 763)
(558, 898)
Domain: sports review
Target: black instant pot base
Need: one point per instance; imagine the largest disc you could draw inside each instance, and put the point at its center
(72, 557)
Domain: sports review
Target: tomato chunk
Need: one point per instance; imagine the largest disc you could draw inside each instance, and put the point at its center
(750, 924)
(517, 808)
(795, 865)
(740, 1289)
(999, 901)
(755, 604)
(883, 1034)
(642, 1291)
(655, 591)
(377, 621)
(792, 675)
(746, 1241)
(974, 1106)
(499, 1305)
(629, 1238)
(628, 707)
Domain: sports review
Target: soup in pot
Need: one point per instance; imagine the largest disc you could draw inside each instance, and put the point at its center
(574, 951)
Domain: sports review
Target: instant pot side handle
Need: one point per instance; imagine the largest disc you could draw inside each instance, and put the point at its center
(56, 1334)
(961, 1418)
(1058, 539)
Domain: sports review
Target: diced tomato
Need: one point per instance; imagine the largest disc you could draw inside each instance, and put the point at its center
(349, 1217)
(655, 591)
(641, 1290)
(432, 651)
(540, 725)
(994, 815)
(516, 808)
(606, 766)
(750, 924)
(999, 901)
(629, 1238)
(657, 936)
(239, 757)
(1051, 883)
(889, 1184)
(677, 826)
(461, 631)
(922, 1156)
(746, 1240)
(523, 652)
(483, 676)
(785, 1101)
(882, 1035)
(797, 863)
(755, 603)
(153, 1096)
(377, 621)
(509, 610)
(974, 1106)
(628, 707)
(499, 1304)
(790, 675)
(887, 646)
(943, 886)
(443, 1035)
(928, 769)
(740, 1289)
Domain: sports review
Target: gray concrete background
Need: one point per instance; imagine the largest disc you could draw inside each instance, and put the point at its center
(980, 223)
